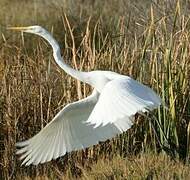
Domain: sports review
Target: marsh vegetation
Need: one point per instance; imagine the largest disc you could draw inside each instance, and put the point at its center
(148, 41)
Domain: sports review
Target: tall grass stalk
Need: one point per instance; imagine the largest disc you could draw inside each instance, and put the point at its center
(149, 42)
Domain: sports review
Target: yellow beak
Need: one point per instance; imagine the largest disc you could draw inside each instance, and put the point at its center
(18, 28)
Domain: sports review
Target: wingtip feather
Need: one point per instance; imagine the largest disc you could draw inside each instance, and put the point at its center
(22, 143)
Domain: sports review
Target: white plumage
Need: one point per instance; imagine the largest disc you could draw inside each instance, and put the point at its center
(108, 111)
(122, 97)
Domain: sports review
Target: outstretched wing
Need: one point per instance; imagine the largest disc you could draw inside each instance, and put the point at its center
(120, 98)
(68, 132)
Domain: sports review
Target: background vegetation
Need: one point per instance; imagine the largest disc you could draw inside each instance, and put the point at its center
(147, 40)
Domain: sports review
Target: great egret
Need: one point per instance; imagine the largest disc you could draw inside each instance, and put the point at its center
(108, 111)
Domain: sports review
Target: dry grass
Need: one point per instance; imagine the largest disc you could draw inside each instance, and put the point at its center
(142, 166)
(149, 42)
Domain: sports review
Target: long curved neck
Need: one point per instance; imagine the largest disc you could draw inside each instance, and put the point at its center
(82, 76)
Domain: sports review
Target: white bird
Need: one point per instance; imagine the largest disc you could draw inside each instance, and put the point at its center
(108, 111)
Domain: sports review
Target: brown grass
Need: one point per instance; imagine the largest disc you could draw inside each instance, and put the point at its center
(147, 41)
(142, 166)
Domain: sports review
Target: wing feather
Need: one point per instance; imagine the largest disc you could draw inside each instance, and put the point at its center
(68, 132)
(120, 98)
(113, 109)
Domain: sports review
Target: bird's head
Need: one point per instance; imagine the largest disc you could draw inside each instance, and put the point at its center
(30, 29)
